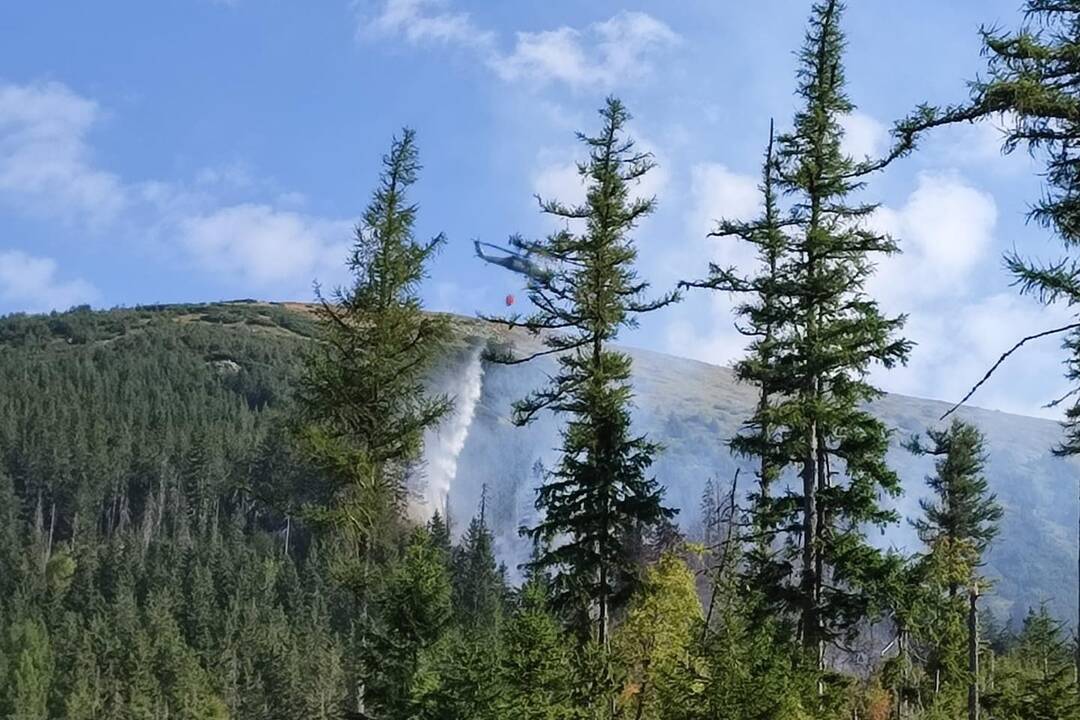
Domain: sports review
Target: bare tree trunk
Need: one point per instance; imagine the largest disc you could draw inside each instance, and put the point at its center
(905, 674)
(810, 582)
(288, 528)
(52, 531)
(602, 623)
(720, 572)
(973, 654)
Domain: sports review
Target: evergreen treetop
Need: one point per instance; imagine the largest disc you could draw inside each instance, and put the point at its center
(362, 393)
(599, 496)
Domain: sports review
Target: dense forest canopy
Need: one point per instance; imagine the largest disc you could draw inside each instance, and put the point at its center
(215, 511)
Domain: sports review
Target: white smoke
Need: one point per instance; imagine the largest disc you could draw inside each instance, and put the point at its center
(443, 444)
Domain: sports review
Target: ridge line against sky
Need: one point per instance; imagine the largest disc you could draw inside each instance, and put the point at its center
(209, 149)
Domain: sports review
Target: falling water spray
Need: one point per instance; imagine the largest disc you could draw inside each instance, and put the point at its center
(443, 444)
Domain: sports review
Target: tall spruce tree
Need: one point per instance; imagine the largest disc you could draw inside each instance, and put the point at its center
(537, 661)
(600, 496)
(364, 405)
(761, 315)
(415, 612)
(816, 334)
(830, 334)
(962, 512)
(478, 585)
(959, 520)
(362, 393)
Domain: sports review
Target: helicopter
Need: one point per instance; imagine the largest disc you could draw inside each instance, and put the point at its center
(514, 260)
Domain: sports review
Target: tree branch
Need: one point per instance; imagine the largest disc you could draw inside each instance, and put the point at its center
(1002, 359)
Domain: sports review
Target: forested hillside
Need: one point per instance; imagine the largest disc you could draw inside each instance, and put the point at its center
(150, 560)
(360, 509)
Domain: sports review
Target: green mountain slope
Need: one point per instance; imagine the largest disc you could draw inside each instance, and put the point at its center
(101, 411)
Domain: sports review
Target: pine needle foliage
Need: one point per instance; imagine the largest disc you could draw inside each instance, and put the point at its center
(600, 495)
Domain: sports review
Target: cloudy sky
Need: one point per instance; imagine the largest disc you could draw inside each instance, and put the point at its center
(190, 150)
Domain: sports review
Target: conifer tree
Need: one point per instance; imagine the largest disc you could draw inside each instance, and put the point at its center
(959, 521)
(761, 319)
(362, 394)
(830, 335)
(962, 513)
(469, 684)
(654, 640)
(600, 495)
(817, 333)
(364, 405)
(1036, 682)
(537, 664)
(415, 610)
(478, 587)
(439, 530)
(30, 665)
(1034, 75)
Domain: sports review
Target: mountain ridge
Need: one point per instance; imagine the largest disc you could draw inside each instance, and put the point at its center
(691, 407)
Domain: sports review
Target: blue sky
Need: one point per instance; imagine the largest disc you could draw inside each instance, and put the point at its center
(189, 150)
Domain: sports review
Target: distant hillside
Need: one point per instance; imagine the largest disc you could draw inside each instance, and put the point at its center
(156, 372)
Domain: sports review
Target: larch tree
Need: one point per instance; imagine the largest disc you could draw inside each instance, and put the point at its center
(829, 335)
(362, 392)
(600, 495)
(1033, 85)
(362, 396)
(1034, 75)
(654, 641)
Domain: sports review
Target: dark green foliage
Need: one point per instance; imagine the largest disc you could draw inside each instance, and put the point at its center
(962, 509)
(414, 612)
(817, 333)
(478, 585)
(158, 585)
(362, 394)
(537, 661)
(468, 681)
(600, 495)
(1032, 74)
(1036, 680)
(831, 335)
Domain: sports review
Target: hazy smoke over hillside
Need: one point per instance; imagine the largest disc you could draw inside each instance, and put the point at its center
(693, 409)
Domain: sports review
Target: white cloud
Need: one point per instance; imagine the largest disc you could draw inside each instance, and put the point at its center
(864, 136)
(46, 167)
(45, 163)
(711, 336)
(719, 193)
(420, 21)
(559, 180)
(605, 54)
(265, 246)
(30, 284)
(945, 228)
(956, 347)
(716, 192)
(946, 231)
